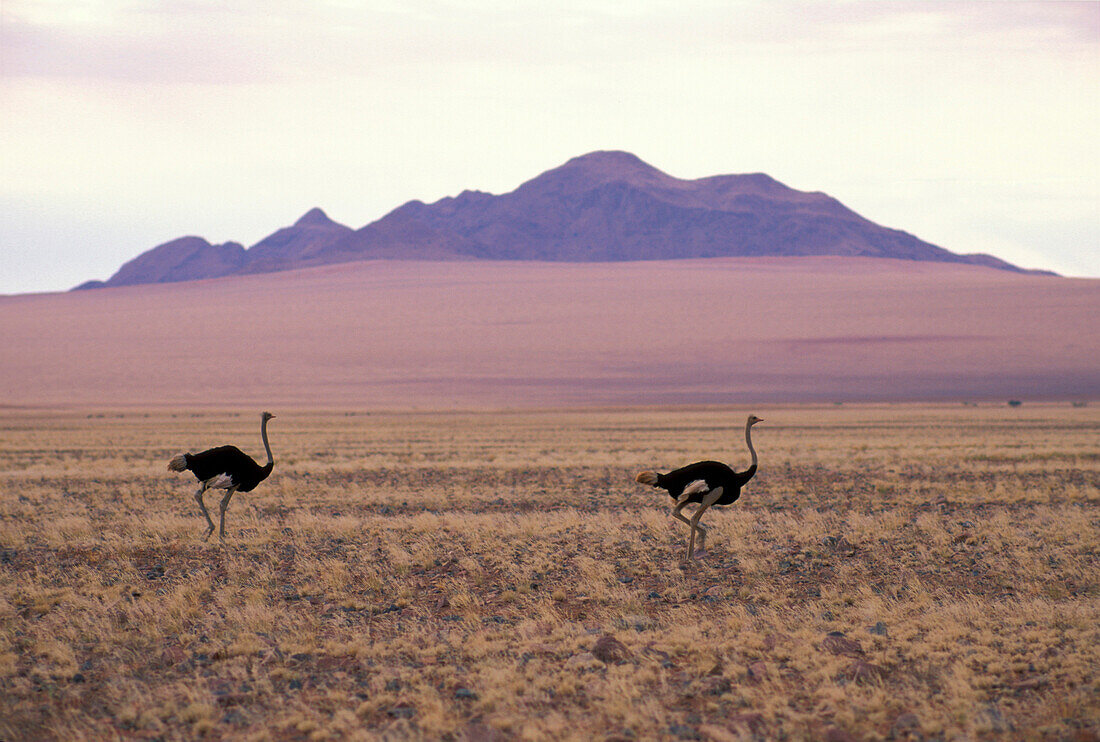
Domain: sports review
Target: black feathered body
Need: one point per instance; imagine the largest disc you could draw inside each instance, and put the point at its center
(714, 473)
(242, 471)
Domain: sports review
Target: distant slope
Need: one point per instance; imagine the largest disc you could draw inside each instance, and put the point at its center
(600, 207)
(446, 334)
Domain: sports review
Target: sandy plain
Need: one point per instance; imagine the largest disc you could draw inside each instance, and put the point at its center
(894, 572)
(444, 335)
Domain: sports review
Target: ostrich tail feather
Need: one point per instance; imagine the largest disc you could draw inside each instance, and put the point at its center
(647, 477)
(178, 462)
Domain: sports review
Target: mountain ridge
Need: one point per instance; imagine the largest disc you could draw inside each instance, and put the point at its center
(601, 206)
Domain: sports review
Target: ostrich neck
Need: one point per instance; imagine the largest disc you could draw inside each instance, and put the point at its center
(267, 446)
(748, 440)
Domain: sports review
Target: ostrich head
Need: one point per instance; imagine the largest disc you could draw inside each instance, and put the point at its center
(267, 416)
(753, 420)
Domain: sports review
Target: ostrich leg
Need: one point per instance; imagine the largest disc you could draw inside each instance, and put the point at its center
(706, 503)
(680, 505)
(202, 506)
(224, 506)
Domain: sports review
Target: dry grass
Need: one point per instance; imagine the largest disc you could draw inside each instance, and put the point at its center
(488, 576)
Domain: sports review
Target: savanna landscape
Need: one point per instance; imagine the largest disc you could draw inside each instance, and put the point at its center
(500, 278)
(903, 571)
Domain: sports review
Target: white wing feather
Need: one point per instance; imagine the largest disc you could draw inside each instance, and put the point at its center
(698, 487)
(220, 482)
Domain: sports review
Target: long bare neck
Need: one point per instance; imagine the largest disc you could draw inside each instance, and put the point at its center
(267, 446)
(748, 440)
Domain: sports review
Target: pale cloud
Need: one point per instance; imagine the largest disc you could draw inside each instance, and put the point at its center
(242, 42)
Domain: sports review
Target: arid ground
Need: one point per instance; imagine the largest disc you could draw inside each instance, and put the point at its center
(445, 335)
(893, 572)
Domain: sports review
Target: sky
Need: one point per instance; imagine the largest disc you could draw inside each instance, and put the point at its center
(127, 123)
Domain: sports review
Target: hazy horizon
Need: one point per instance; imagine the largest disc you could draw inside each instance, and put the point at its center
(968, 124)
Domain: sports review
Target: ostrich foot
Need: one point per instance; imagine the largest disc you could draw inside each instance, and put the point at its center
(700, 554)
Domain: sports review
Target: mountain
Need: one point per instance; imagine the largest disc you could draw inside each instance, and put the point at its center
(191, 258)
(612, 206)
(183, 259)
(602, 206)
(294, 246)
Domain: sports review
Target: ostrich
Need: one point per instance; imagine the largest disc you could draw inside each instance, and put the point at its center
(225, 468)
(705, 483)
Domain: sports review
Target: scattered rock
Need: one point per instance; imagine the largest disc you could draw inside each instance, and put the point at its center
(991, 716)
(879, 629)
(636, 622)
(233, 717)
(717, 668)
(402, 711)
(172, 656)
(838, 734)
(906, 727)
(716, 685)
(680, 731)
(839, 544)
(758, 672)
(786, 567)
(752, 722)
(466, 694)
(654, 595)
(226, 700)
(1033, 683)
(863, 672)
(837, 643)
(610, 650)
(658, 654)
(482, 733)
(771, 641)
